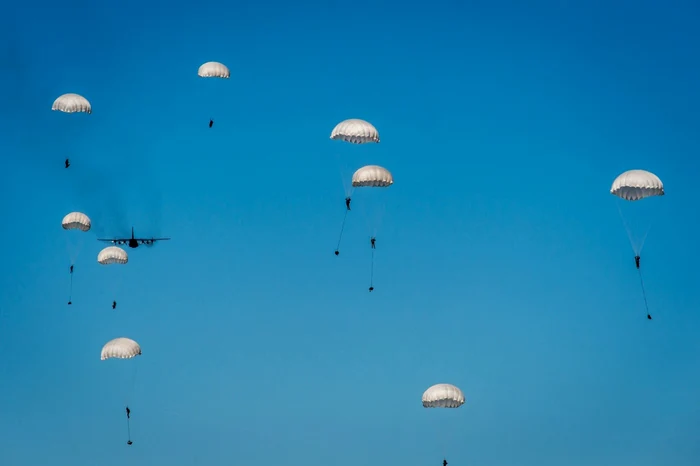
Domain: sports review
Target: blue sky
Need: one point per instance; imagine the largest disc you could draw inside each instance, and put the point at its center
(502, 264)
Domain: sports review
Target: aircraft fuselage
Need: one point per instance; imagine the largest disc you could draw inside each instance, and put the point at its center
(134, 242)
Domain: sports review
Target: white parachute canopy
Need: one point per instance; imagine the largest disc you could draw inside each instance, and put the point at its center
(76, 221)
(373, 207)
(214, 69)
(443, 395)
(112, 255)
(637, 217)
(72, 103)
(634, 185)
(355, 131)
(372, 176)
(120, 348)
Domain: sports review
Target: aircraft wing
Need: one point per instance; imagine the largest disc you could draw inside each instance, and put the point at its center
(150, 239)
(115, 240)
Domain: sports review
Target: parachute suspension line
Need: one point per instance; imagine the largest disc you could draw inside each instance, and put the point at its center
(627, 228)
(132, 384)
(116, 287)
(644, 238)
(443, 446)
(116, 281)
(133, 378)
(342, 171)
(636, 245)
(348, 189)
(442, 433)
(2, 317)
(644, 293)
(342, 228)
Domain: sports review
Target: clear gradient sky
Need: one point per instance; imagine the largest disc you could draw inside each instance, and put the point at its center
(502, 264)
